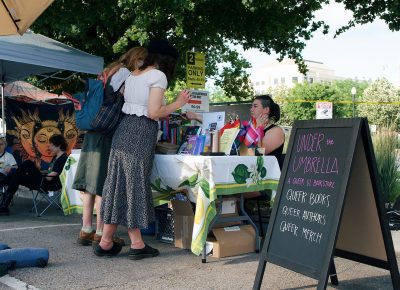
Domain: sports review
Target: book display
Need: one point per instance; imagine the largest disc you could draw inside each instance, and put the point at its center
(212, 137)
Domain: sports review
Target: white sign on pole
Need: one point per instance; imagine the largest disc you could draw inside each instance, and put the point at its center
(198, 103)
(324, 110)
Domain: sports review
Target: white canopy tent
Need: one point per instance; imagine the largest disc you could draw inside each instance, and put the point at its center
(35, 54)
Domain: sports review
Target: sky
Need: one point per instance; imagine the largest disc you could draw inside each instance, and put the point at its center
(368, 51)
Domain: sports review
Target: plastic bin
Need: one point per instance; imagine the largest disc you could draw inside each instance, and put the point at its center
(164, 224)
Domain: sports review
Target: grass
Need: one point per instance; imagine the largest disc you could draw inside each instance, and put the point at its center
(385, 143)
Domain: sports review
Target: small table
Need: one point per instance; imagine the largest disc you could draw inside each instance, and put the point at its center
(207, 177)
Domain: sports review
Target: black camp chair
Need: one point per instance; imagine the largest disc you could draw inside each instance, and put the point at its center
(49, 194)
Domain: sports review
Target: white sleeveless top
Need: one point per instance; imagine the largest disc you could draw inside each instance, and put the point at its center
(137, 90)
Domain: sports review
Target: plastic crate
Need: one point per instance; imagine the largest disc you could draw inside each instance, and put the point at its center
(165, 225)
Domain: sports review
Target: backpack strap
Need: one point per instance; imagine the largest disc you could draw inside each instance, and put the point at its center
(77, 104)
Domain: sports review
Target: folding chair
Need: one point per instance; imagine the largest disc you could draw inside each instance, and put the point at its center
(51, 197)
(3, 189)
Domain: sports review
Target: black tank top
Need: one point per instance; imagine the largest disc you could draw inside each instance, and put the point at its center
(278, 151)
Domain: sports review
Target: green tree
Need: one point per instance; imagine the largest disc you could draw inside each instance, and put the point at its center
(174, 90)
(367, 11)
(381, 91)
(344, 97)
(108, 28)
(300, 102)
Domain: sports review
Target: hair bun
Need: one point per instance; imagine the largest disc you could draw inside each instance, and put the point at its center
(163, 46)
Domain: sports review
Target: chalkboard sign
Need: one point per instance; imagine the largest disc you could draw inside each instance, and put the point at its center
(324, 161)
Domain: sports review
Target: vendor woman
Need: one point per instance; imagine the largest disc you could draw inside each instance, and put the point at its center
(270, 138)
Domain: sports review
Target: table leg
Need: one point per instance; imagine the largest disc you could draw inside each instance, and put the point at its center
(244, 213)
(242, 217)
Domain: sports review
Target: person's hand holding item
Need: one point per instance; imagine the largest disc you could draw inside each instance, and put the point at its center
(194, 116)
(184, 97)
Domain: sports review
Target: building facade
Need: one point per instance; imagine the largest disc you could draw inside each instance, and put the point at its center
(286, 73)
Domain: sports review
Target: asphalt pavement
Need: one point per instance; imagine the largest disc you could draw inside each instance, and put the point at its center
(72, 266)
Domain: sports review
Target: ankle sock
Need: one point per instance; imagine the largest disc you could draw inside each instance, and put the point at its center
(99, 233)
(87, 230)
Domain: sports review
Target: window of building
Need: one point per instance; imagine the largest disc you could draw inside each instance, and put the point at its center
(257, 83)
(310, 80)
(276, 81)
(295, 80)
(262, 83)
(282, 80)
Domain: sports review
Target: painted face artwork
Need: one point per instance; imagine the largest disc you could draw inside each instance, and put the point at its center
(34, 134)
(42, 136)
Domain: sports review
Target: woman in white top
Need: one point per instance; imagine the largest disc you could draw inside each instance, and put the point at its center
(93, 161)
(127, 197)
(7, 162)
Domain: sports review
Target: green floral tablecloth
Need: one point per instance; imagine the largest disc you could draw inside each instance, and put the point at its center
(71, 199)
(206, 177)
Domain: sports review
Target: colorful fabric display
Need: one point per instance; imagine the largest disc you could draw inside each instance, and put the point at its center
(253, 134)
(249, 134)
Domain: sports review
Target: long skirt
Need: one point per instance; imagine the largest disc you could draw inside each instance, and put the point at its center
(127, 196)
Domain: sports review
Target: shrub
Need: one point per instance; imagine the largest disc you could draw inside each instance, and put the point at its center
(385, 143)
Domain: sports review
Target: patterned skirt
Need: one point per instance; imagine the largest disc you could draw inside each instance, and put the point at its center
(127, 196)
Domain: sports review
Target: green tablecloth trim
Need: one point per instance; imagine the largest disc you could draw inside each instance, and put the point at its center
(198, 243)
(233, 188)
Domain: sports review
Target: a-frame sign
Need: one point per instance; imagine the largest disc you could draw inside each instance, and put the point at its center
(328, 204)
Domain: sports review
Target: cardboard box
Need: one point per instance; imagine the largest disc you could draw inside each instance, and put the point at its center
(231, 241)
(183, 223)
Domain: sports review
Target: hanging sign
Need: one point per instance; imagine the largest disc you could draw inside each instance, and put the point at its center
(199, 102)
(195, 70)
(324, 110)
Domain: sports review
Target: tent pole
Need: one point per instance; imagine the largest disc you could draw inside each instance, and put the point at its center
(3, 122)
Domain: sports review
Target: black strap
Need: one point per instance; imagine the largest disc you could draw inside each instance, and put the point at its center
(123, 84)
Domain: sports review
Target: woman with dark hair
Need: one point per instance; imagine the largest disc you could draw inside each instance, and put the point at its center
(271, 138)
(30, 176)
(267, 137)
(127, 196)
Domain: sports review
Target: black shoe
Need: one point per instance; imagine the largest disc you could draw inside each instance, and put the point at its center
(5, 203)
(98, 251)
(146, 252)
